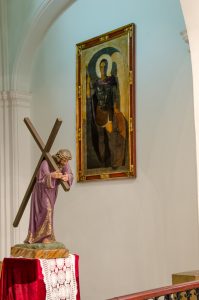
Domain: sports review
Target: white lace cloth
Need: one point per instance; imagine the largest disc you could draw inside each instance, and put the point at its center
(59, 278)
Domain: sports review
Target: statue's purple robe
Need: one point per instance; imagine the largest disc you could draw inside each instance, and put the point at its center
(42, 203)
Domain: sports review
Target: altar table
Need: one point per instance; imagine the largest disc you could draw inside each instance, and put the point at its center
(23, 279)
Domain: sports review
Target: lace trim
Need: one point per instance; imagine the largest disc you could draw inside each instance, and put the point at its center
(59, 278)
(46, 274)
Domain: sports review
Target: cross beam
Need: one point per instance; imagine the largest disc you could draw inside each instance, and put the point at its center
(45, 154)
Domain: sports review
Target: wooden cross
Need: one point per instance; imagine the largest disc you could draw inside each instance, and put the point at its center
(45, 154)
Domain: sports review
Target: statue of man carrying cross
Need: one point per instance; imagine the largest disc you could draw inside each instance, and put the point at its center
(44, 196)
(49, 173)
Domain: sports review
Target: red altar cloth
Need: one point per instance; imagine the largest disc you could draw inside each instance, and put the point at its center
(22, 279)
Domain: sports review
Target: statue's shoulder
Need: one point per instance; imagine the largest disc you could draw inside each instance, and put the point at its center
(44, 165)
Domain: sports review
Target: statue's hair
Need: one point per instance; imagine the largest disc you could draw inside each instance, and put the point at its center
(62, 154)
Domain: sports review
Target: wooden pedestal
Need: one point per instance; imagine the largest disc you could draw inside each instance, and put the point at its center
(40, 250)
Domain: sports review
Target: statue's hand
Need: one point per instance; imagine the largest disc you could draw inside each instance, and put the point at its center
(64, 177)
(57, 174)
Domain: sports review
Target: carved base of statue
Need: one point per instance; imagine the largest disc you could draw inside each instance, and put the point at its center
(40, 250)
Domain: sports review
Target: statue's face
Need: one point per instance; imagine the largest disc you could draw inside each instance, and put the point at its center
(63, 161)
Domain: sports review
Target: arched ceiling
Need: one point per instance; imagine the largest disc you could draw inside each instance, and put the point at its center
(44, 16)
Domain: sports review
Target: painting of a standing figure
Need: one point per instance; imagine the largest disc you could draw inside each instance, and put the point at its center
(108, 125)
(105, 110)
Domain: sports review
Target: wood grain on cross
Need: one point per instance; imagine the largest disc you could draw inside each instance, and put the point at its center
(45, 154)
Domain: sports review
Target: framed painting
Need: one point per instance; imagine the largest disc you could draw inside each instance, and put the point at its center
(105, 111)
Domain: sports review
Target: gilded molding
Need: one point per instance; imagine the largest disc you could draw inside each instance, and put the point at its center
(131, 124)
(104, 38)
(131, 77)
(79, 134)
(104, 176)
(79, 91)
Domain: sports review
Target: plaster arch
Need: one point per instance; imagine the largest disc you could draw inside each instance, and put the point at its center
(190, 10)
(40, 21)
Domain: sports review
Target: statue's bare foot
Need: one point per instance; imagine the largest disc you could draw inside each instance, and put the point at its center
(47, 241)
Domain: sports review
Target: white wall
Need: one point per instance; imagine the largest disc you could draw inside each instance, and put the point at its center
(132, 234)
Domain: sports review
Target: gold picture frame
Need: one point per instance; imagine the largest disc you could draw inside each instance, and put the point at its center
(105, 108)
